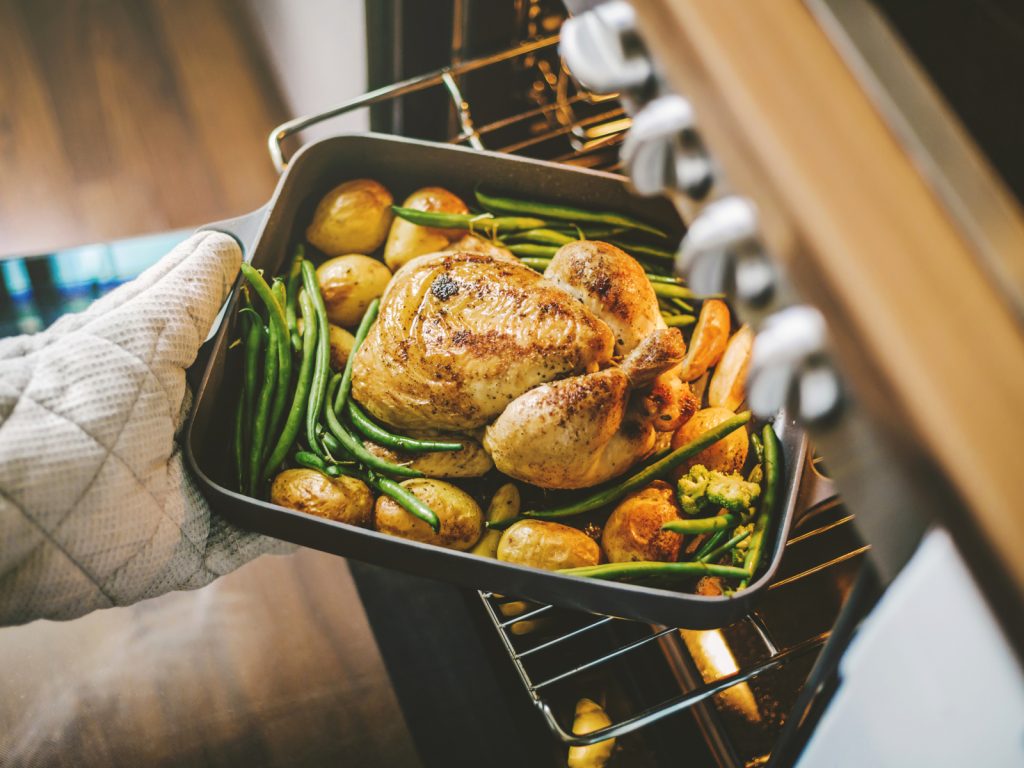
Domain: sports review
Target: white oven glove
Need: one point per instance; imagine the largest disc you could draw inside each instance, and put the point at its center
(96, 507)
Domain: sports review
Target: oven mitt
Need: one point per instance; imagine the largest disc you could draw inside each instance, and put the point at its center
(96, 506)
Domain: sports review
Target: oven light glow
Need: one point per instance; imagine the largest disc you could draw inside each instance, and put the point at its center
(714, 661)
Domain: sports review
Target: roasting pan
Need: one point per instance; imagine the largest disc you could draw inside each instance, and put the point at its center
(404, 165)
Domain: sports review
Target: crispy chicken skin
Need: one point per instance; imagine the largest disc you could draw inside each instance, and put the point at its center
(586, 429)
(612, 285)
(460, 335)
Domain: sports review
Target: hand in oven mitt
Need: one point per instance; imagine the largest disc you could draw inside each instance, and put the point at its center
(96, 507)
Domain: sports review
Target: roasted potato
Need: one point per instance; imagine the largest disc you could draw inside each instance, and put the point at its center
(471, 461)
(352, 218)
(406, 240)
(727, 455)
(708, 341)
(547, 545)
(348, 284)
(345, 499)
(477, 244)
(504, 506)
(728, 383)
(462, 521)
(633, 531)
(590, 717)
(341, 344)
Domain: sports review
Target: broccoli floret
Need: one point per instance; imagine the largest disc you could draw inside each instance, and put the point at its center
(702, 489)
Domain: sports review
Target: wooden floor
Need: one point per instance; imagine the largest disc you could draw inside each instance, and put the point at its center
(124, 117)
(127, 117)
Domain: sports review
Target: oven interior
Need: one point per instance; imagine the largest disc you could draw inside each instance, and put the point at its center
(719, 697)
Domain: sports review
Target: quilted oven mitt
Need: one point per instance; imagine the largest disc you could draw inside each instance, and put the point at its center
(96, 507)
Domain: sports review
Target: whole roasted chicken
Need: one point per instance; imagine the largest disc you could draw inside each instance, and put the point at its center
(570, 375)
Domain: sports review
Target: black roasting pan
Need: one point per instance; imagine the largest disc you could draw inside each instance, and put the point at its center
(404, 165)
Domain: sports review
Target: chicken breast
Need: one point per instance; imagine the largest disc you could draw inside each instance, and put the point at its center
(612, 285)
(460, 335)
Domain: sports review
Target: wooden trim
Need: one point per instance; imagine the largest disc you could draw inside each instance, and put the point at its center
(862, 236)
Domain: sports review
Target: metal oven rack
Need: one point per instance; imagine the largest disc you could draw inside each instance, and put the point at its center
(551, 648)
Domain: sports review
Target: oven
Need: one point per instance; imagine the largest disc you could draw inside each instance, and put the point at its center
(757, 691)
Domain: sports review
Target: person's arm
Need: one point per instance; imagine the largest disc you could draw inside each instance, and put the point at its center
(96, 506)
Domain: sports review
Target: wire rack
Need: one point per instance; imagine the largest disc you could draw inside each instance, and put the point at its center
(553, 649)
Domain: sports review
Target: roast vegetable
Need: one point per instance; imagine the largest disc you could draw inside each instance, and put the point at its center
(341, 346)
(461, 520)
(648, 570)
(702, 489)
(590, 717)
(634, 529)
(707, 344)
(769, 499)
(725, 455)
(345, 499)
(728, 383)
(546, 545)
(406, 240)
(508, 205)
(504, 506)
(484, 223)
(352, 218)
(348, 285)
(387, 439)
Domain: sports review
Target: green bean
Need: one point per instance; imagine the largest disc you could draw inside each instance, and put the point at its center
(283, 377)
(678, 321)
(239, 444)
(541, 237)
(772, 473)
(712, 542)
(354, 446)
(322, 362)
(254, 329)
(532, 250)
(291, 307)
(361, 332)
(373, 431)
(534, 263)
(641, 569)
(562, 212)
(302, 387)
(700, 524)
(479, 222)
(667, 291)
(310, 461)
(637, 250)
(670, 279)
(276, 319)
(679, 306)
(717, 552)
(588, 233)
(405, 499)
(659, 468)
(259, 428)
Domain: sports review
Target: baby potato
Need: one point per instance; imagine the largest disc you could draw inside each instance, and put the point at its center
(341, 344)
(471, 461)
(462, 520)
(633, 531)
(406, 240)
(348, 285)
(345, 499)
(590, 717)
(547, 545)
(728, 383)
(476, 244)
(708, 341)
(352, 218)
(727, 455)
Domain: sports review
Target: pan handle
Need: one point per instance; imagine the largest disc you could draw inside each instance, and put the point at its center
(244, 229)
